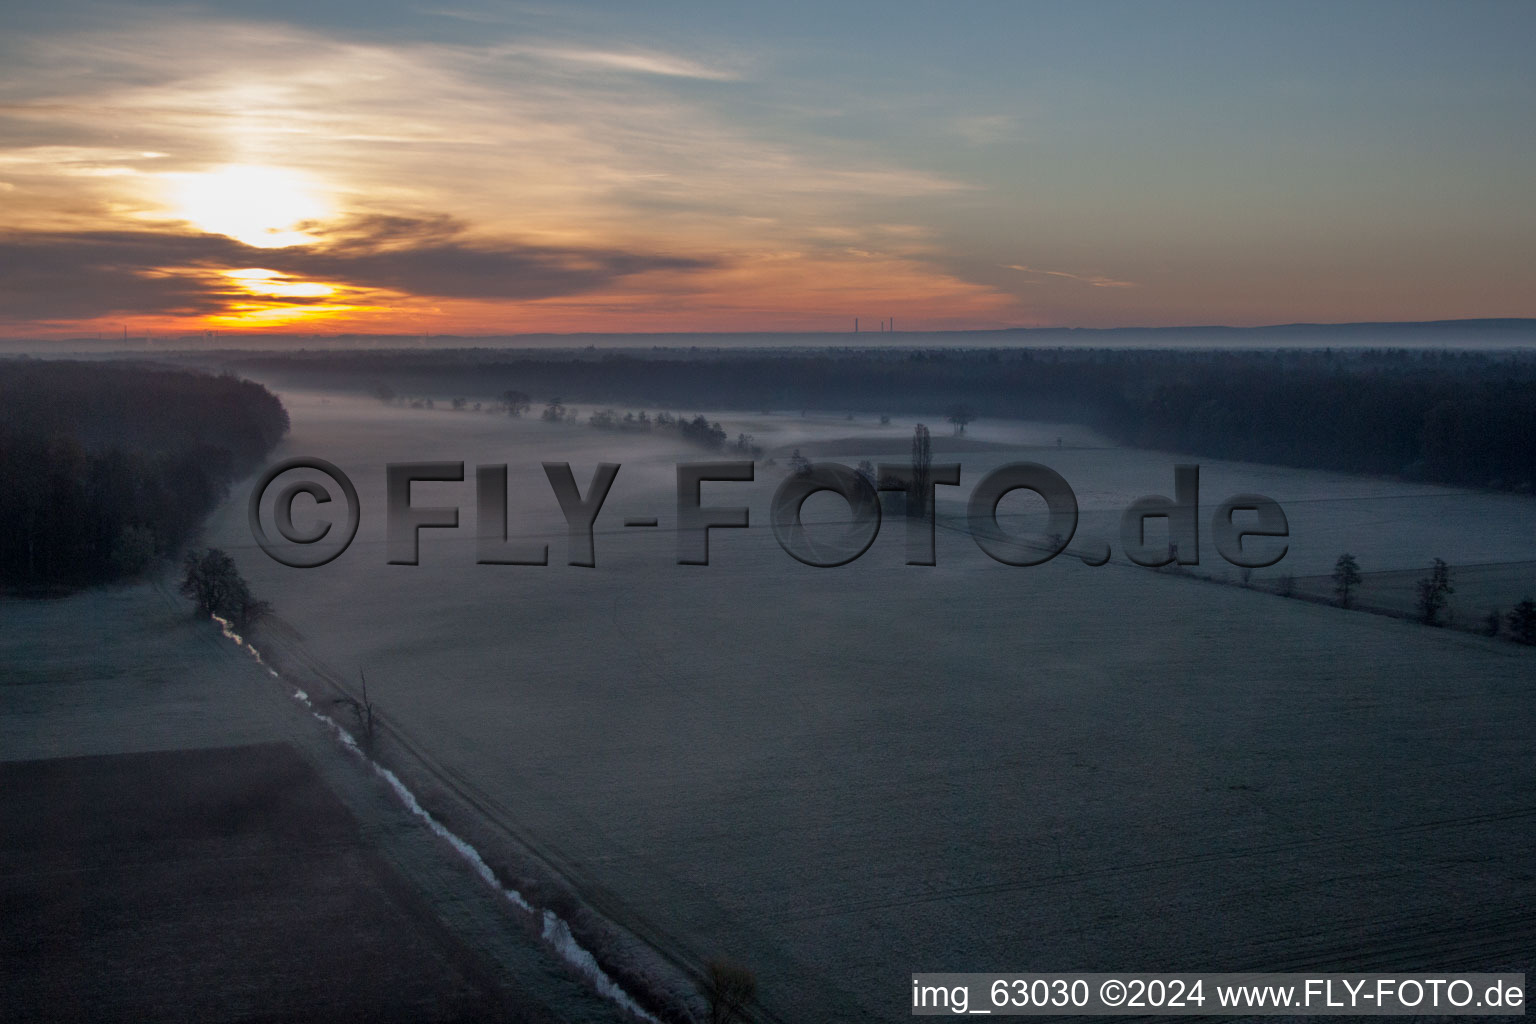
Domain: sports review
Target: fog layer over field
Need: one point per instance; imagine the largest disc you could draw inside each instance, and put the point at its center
(840, 776)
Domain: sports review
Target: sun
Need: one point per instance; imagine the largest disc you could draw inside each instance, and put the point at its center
(264, 207)
(269, 283)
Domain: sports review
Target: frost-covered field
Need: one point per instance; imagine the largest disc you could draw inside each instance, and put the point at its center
(293, 893)
(841, 776)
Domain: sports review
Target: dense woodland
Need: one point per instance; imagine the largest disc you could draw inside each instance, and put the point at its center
(109, 466)
(1455, 417)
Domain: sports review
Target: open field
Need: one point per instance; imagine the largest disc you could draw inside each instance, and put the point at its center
(213, 884)
(841, 776)
(185, 841)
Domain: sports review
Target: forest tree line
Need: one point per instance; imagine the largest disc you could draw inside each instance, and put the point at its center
(108, 467)
(1448, 416)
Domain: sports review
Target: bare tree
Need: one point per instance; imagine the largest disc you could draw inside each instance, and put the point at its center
(959, 414)
(212, 581)
(1434, 590)
(1346, 577)
(731, 987)
(922, 468)
(515, 402)
(1522, 622)
(362, 708)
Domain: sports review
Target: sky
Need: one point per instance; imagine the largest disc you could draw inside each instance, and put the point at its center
(460, 167)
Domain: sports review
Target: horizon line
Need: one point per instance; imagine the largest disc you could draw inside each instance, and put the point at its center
(207, 335)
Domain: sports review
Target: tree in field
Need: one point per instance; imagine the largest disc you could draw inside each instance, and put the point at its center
(212, 581)
(1346, 577)
(1522, 622)
(1433, 591)
(702, 432)
(554, 412)
(515, 402)
(362, 707)
(922, 467)
(959, 414)
(731, 987)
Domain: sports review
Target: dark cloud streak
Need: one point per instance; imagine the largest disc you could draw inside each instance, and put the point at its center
(78, 275)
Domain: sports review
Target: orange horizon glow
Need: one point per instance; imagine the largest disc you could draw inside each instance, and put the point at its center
(276, 179)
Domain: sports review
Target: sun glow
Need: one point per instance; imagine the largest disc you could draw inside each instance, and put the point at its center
(264, 299)
(270, 283)
(265, 207)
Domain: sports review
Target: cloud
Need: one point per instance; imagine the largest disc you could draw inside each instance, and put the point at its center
(69, 275)
(428, 257)
(664, 65)
(1093, 280)
(48, 277)
(575, 173)
(508, 133)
